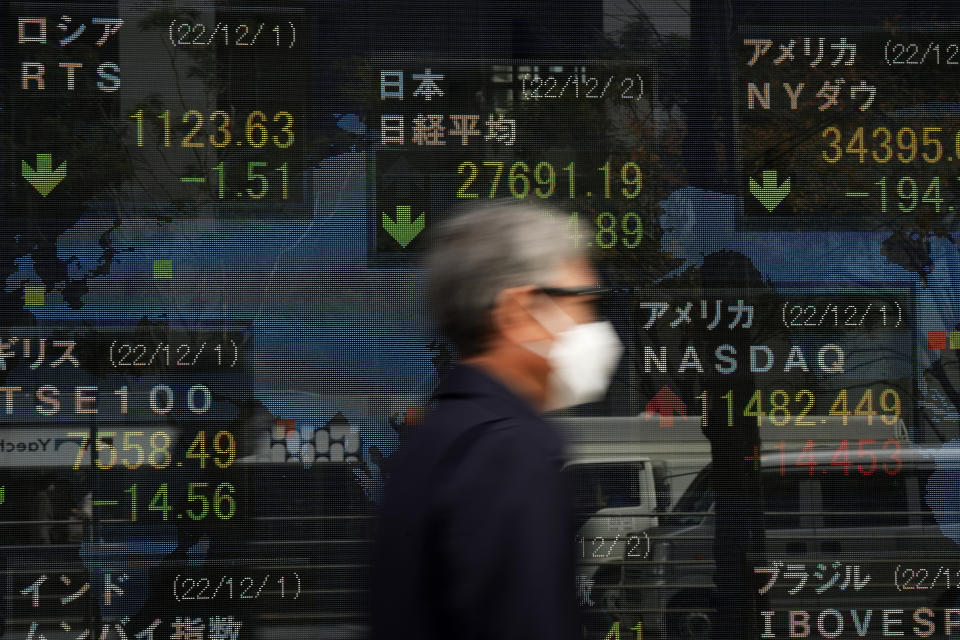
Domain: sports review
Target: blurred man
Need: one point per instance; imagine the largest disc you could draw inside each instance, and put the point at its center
(476, 534)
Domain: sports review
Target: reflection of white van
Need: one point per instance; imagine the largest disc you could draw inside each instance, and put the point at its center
(820, 516)
(618, 488)
(615, 500)
(627, 471)
(679, 448)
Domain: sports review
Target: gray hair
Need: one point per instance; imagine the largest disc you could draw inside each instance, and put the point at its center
(485, 250)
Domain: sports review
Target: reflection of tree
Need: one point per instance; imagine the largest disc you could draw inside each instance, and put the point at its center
(649, 132)
(910, 99)
(794, 140)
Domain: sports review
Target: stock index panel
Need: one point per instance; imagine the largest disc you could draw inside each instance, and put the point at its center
(212, 341)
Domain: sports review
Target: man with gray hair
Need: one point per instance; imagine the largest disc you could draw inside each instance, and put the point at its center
(476, 535)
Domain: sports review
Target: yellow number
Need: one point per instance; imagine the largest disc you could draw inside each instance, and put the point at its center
(614, 632)
(636, 181)
(728, 396)
(856, 146)
(223, 127)
(515, 175)
(230, 450)
(550, 180)
(160, 457)
(755, 406)
(497, 174)
(887, 407)
(935, 142)
(138, 116)
(835, 145)
(839, 407)
(197, 125)
(800, 422)
(165, 116)
(907, 143)
(474, 172)
(703, 408)
(198, 449)
(571, 179)
(99, 444)
(865, 406)
(780, 408)
(287, 129)
(84, 441)
(127, 445)
(253, 126)
(883, 144)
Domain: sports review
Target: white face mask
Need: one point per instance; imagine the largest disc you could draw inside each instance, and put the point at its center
(582, 359)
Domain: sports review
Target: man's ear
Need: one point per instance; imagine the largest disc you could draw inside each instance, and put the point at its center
(511, 317)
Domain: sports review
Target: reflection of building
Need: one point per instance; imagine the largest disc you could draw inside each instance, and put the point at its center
(335, 441)
(537, 28)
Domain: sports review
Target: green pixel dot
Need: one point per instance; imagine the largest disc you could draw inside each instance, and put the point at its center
(33, 296)
(955, 339)
(162, 269)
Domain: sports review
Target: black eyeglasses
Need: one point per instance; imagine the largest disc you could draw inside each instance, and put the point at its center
(574, 291)
(593, 295)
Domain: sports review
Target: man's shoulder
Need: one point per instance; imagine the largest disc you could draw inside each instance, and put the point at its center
(476, 418)
(453, 420)
(469, 396)
(474, 427)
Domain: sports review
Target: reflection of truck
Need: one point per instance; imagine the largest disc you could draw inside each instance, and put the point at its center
(618, 488)
(627, 471)
(681, 450)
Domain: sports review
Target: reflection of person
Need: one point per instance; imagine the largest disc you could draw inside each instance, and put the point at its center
(52, 512)
(80, 516)
(476, 528)
(45, 514)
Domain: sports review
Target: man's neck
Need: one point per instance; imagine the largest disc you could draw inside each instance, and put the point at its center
(514, 377)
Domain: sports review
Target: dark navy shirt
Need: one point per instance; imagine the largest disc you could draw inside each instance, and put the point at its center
(476, 530)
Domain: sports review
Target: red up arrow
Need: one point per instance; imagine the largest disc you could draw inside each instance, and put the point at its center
(285, 428)
(414, 416)
(667, 404)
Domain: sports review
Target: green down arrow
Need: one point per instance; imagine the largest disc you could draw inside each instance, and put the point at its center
(44, 178)
(404, 230)
(770, 194)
